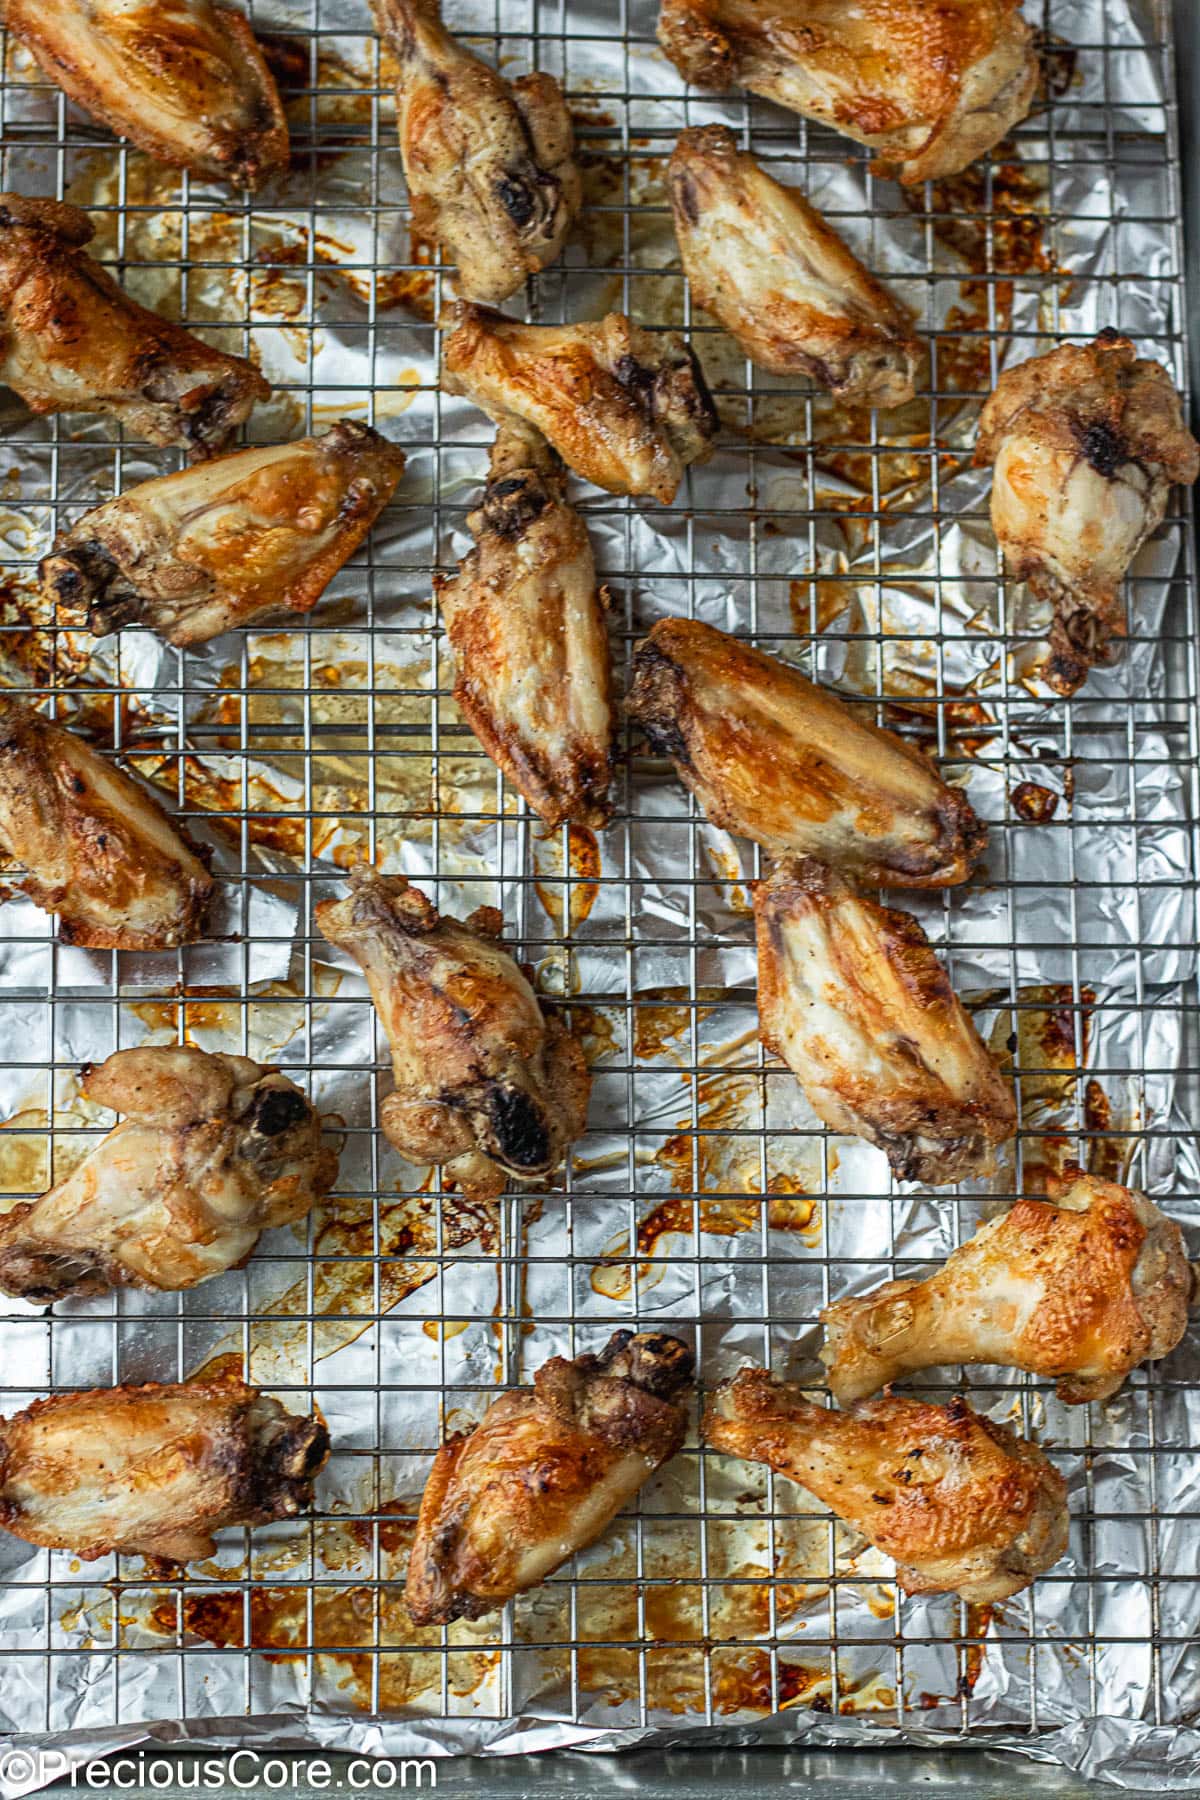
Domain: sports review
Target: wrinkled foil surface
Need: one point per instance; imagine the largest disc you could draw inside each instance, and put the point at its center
(705, 1196)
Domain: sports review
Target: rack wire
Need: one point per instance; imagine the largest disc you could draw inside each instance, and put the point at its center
(696, 1199)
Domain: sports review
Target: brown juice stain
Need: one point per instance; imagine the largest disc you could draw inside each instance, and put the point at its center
(1048, 1070)
(408, 1235)
(662, 1016)
(678, 1217)
(352, 1630)
(979, 1619)
(726, 867)
(578, 885)
(596, 1031)
(815, 601)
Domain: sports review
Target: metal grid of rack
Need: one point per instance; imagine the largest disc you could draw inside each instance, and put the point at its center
(315, 748)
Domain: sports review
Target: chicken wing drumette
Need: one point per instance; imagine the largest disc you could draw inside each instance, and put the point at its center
(543, 1473)
(853, 999)
(182, 79)
(197, 553)
(929, 87)
(964, 1506)
(72, 341)
(155, 1470)
(1086, 444)
(626, 408)
(765, 264)
(525, 618)
(212, 1151)
(99, 849)
(487, 1082)
(774, 758)
(1081, 1288)
(490, 164)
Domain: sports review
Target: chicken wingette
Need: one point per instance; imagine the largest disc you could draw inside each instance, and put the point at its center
(212, 1151)
(1081, 1288)
(928, 85)
(490, 164)
(543, 1473)
(526, 621)
(775, 759)
(625, 408)
(1086, 444)
(98, 849)
(72, 341)
(154, 1471)
(777, 276)
(196, 553)
(853, 999)
(962, 1505)
(487, 1082)
(184, 80)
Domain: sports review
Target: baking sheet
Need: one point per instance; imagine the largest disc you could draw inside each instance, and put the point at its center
(705, 1194)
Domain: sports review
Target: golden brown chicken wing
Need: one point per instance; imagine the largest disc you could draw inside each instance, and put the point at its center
(1081, 1288)
(99, 849)
(774, 758)
(182, 79)
(543, 1473)
(1086, 442)
(765, 264)
(197, 553)
(71, 341)
(490, 164)
(488, 1083)
(929, 85)
(625, 408)
(964, 1506)
(212, 1151)
(155, 1470)
(525, 618)
(853, 999)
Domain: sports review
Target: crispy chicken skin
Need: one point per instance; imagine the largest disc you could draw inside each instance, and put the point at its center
(853, 999)
(99, 849)
(962, 1505)
(196, 553)
(488, 1083)
(490, 164)
(212, 1151)
(543, 1473)
(1081, 1288)
(184, 80)
(72, 341)
(1086, 443)
(772, 757)
(156, 1470)
(770, 269)
(525, 618)
(929, 85)
(625, 408)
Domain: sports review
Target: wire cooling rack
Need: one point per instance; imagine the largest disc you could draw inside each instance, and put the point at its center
(699, 1199)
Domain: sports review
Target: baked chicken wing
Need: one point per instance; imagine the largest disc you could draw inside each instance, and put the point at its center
(72, 341)
(182, 79)
(487, 1082)
(770, 269)
(929, 85)
(774, 758)
(853, 999)
(525, 618)
(962, 1505)
(490, 164)
(626, 408)
(98, 849)
(1086, 444)
(156, 1470)
(543, 1473)
(212, 1151)
(197, 553)
(1081, 1288)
